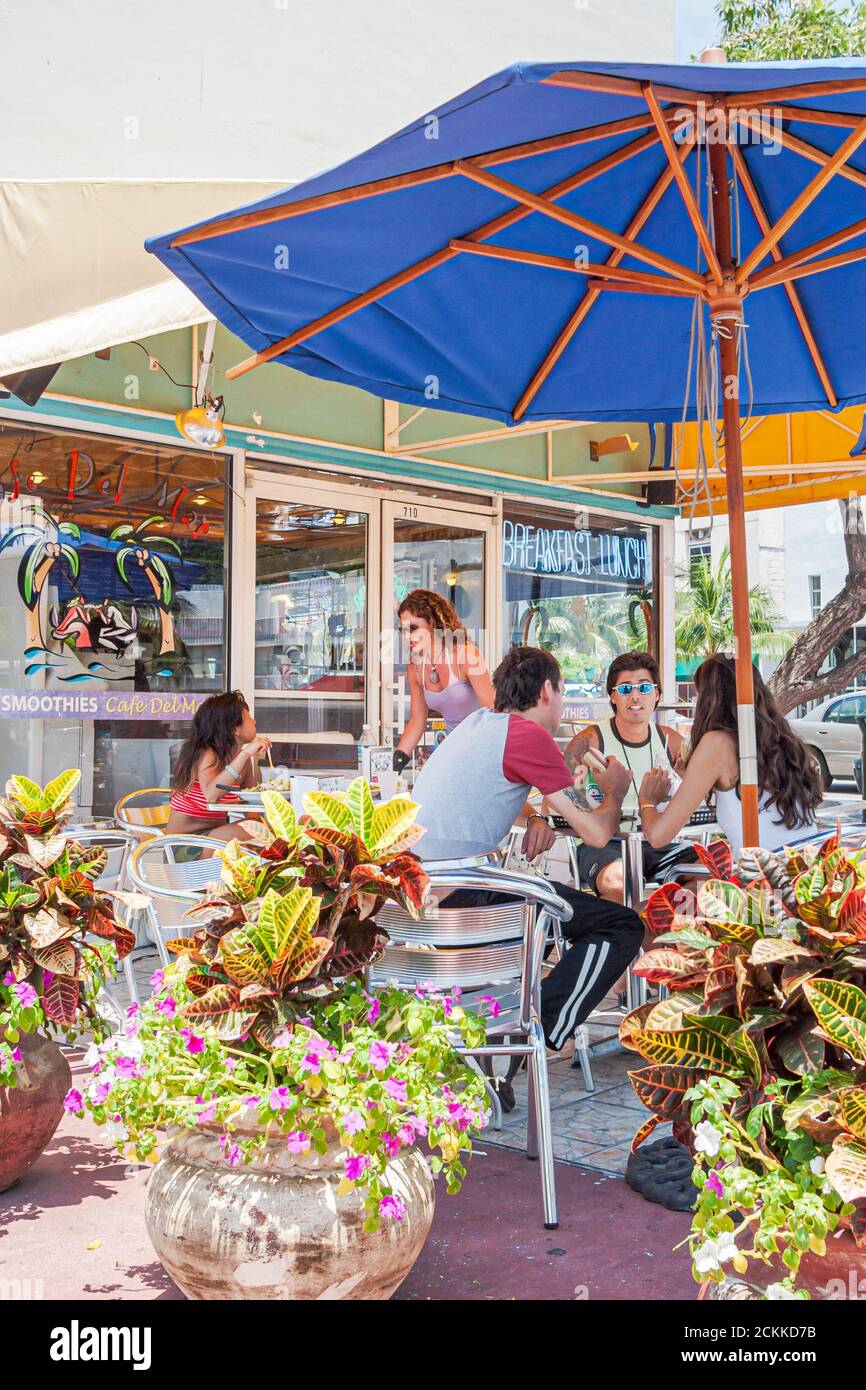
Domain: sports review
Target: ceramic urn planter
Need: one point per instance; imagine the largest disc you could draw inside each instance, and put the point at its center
(840, 1274)
(31, 1110)
(275, 1228)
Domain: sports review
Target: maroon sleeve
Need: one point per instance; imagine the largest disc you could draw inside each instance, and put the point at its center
(531, 756)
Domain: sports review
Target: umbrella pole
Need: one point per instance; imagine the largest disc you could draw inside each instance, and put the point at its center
(726, 311)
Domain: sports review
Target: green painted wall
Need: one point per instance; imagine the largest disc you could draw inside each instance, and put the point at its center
(288, 402)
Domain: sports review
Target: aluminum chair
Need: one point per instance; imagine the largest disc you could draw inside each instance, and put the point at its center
(119, 845)
(497, 950)
(172, 885)
(144, 821)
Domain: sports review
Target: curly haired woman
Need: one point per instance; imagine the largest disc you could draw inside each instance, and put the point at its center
(446, 674)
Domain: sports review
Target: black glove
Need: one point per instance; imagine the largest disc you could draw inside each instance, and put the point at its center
(399, 760)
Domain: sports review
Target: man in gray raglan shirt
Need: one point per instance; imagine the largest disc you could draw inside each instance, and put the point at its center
(473, 789)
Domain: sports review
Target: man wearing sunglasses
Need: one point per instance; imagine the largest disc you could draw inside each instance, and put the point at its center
(640, 744)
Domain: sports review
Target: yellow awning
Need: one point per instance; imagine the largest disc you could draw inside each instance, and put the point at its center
(787, 460)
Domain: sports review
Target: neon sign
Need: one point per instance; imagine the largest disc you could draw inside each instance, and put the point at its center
(580, 554)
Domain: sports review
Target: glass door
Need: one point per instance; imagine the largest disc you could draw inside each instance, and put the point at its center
(312, 613)
(448, 551)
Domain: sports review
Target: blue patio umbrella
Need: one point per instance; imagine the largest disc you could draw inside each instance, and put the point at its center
(588, 241)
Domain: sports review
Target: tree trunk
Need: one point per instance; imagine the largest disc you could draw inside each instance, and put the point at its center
(797, 679)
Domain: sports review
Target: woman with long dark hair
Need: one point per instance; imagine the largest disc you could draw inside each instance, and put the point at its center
(446, 672)
(222, 748)
(789, 785)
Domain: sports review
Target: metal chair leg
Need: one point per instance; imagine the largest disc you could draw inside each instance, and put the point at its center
(541, 1094)
(581, 1054)
(532, 1105)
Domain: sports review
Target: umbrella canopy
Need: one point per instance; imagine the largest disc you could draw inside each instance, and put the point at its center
(538, 174)
(578, 241)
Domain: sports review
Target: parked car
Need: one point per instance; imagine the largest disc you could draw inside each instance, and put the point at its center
(832, 732)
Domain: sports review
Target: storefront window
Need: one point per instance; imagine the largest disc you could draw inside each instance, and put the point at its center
(583, 591)
(112, 605)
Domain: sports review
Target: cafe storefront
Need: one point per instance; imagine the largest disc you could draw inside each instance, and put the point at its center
(138, 576)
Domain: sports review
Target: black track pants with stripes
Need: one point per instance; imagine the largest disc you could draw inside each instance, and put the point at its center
(604, 937)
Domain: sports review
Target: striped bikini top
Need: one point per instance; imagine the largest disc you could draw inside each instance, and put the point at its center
(193, 802)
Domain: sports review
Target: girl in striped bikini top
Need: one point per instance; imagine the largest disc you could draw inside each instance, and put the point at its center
(222, 748)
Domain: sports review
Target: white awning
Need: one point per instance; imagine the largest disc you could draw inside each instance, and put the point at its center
(76, 277)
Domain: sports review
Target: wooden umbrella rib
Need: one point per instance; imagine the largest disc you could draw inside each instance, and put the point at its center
(815, 248)
(626, 287)
(662, 284)
(802, 147)
(403, 277)
(763, 222)
(810, 117)
(801, 91)
(688, 197)
(580, 313)
(776, 275)
(620, 87)
(581, 224)
(802, 201)
(414, 178)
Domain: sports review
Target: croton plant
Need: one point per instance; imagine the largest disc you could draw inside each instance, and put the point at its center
(59, 935)
(758, 1053)
(264, 1025)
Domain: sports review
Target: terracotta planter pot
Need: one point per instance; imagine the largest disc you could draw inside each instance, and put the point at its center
(274, 1228)
(31, 1110)
(840, 1274)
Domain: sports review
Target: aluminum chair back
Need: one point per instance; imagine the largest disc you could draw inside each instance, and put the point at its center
(119, 845)
(172, 885)
(144, 821)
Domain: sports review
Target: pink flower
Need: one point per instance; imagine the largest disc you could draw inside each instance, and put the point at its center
(207, 1111)
(298, 1142)
(406, 1134)
(714, 1184)
(167, 1007)
(27, 995)
(355, 1166)
(381, 1054)
(495, 1006)
(392, 1205)
(157, 979)
(230, 1063)
(347, 1054)
(16, 1054)
(73, 1102)
(396, 1089)
(133, 1011)
(99, 1092)
(312, 1063)
(419, 1125)
(193, 1042)
(353, 1123)
(252, 1101)
(374, 1011)
(280, 1099)
(231, 1152)
(8, 978)
(448, 1006)
(126, 1068)
(391, 1144)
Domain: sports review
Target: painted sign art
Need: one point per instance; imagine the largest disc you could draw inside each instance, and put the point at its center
(94, 636)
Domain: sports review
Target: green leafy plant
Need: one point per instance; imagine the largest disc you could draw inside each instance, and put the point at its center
(264, 1024)
(764, 970)
(52, 968)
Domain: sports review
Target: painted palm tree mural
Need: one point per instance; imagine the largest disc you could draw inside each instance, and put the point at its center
(138, 549)
(49, 544)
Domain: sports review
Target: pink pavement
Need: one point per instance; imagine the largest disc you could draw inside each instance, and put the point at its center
(75, 1222)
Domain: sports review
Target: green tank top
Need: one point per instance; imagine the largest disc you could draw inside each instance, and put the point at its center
(638, 758)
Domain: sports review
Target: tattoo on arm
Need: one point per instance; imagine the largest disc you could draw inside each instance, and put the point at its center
(579, 798)
(576, 750)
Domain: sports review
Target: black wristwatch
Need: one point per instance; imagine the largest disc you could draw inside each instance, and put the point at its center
(399, 760)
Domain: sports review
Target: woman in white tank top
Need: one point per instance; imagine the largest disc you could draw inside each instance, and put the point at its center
(789, 787)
